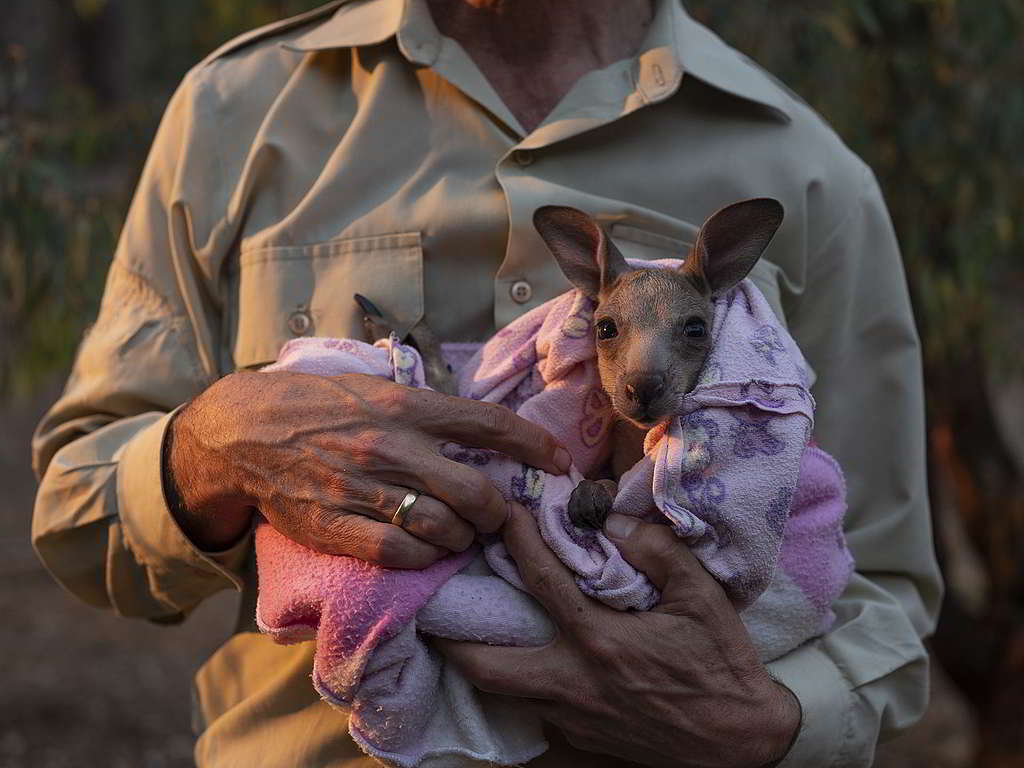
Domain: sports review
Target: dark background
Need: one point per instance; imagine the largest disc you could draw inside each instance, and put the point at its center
(929, 92)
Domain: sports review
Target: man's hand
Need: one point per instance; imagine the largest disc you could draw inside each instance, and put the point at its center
(328, 460)
(678, 685)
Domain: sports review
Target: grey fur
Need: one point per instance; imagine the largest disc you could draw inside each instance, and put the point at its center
(652, 360)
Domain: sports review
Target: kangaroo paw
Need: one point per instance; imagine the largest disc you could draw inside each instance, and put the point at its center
(590, 504)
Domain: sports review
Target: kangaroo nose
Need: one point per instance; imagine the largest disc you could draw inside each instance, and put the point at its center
(643, 390)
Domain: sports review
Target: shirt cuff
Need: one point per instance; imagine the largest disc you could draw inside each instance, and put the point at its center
(826, 701)
(179, 574)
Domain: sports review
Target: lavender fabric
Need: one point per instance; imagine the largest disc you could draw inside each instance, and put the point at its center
(732, 473)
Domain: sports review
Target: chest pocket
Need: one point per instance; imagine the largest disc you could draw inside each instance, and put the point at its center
(283, 292)
(636, 243)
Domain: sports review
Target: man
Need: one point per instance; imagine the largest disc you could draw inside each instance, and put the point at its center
(399, 149)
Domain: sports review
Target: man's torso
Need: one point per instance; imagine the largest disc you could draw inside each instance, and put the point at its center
(361, 151)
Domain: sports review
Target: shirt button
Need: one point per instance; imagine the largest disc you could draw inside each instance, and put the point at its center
(299, 322)
(521, 291)
(522, 157)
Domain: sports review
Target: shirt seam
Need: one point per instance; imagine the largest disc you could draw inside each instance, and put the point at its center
(342, 246)
(866, 178)
(848, 707)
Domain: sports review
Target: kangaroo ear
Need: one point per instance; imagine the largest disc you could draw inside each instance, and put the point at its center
(730, 243)
(587, 257)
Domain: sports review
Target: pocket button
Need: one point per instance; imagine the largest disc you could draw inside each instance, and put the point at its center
(521, 291)
(522, 157)
(299, 322)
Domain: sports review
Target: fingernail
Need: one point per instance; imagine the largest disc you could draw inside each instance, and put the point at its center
(562, 459)
(619, 526)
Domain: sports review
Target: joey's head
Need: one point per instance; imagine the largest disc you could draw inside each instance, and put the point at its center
(653, 326)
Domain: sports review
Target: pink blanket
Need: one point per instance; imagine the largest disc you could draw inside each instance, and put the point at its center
(733, 474)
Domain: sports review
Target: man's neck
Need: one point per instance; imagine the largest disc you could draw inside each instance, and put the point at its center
(533, 51)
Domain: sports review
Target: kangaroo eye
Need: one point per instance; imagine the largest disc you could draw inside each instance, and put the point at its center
(606, 329)
(695, 328)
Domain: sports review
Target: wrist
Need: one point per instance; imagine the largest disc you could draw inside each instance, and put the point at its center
(783, 726)
(212, 517)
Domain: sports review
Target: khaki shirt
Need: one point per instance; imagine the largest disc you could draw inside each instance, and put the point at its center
(355, 149)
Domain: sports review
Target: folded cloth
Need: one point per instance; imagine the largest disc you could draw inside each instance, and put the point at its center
(733, 473)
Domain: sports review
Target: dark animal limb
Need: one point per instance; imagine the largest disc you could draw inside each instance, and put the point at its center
(376, 325)
(591, 502)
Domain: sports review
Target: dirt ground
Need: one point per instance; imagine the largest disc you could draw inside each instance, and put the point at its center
(83, 688)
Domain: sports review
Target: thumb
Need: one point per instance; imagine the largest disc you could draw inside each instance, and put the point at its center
(657, 552)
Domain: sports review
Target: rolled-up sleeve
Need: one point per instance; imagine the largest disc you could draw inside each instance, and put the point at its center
(869, 675)
(101, 524)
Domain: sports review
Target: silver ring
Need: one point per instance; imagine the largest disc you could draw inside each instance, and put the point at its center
(399, 517)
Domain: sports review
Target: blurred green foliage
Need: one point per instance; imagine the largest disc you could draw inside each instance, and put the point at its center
(82, 87)
(55, 239)
(931, 94)
(928, 92)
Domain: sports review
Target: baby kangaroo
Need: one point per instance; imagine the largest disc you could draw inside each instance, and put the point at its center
(652, 326)
(436, 371)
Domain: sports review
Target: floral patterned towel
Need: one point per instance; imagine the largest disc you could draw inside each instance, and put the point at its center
(733, 474)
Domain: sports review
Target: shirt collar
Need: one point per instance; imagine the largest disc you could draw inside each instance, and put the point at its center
(362, 22)
(702, 53)
(694, 48)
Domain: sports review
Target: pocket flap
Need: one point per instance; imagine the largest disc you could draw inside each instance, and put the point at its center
(306, 290)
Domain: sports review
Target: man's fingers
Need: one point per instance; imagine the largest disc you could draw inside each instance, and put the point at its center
(429, 518)
(455, 419)
(544, 575)
(657, 552)
(379, 543)
(466, 491)
(434, 521)
(535, 673)
(486, 425)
